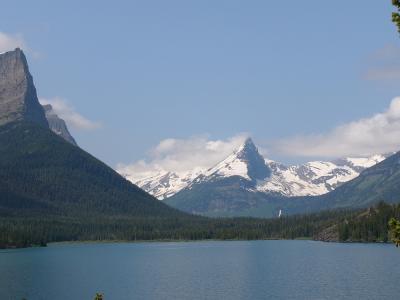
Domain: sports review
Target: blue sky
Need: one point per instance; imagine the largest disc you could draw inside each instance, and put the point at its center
(153, 70)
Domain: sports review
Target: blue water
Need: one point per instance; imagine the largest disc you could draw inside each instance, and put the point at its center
(202, 270)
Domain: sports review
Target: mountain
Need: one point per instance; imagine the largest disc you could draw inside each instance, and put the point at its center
(244, 182)
(163, 185)
(18, 98)
(57, 125)
(309, 179)
(380, 182)
(245, 162)
(228, 188)
(316, 177)
(41, 174)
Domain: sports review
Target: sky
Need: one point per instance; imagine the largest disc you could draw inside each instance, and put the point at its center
(140, 82)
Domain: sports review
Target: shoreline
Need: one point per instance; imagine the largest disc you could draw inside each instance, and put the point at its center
(184, 241)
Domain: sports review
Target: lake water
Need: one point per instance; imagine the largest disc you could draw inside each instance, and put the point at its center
(202, 270)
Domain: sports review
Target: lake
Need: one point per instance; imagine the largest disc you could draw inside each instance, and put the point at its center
(202, 270)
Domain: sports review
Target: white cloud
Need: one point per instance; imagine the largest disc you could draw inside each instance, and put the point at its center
(182, 155)
(66, 112)
(377, 134)
(10, 42)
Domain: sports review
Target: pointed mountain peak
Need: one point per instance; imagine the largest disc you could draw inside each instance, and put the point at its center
(249, 141)
(245, 162)
(18, 98)
(247, 148)
(256, 166)
(247, 144)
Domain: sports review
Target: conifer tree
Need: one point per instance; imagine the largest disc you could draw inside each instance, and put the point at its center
(394, 227)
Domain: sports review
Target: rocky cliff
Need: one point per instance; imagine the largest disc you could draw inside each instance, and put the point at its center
(18, 98)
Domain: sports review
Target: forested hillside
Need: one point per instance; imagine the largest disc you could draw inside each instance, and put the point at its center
(42, 175)
(371, 225)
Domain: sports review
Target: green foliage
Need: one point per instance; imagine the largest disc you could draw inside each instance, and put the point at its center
(98, 296)
(25, 232)
(368, 226)
(394, 227)
(396, 15)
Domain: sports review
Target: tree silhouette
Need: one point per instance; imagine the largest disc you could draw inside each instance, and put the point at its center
(394, 227)
(396, 15)
(98, 296)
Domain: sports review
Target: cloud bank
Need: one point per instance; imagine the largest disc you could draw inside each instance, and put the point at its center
(66, 112)
(182, 155)
(10, 42)
(377, 134)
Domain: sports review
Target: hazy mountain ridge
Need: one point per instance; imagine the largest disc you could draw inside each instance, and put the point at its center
(58, 125)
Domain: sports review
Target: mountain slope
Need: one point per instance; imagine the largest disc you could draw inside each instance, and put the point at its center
(165, 184)
(42, 173)
(227, 197)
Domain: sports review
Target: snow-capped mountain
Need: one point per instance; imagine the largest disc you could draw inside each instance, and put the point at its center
(316, 177)
(262, 175)
(163, 185)
(245, 162)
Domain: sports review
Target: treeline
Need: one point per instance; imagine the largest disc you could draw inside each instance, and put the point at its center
(371, 225)
(25, 232)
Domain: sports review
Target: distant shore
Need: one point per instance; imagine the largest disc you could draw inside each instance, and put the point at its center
(186, 241)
